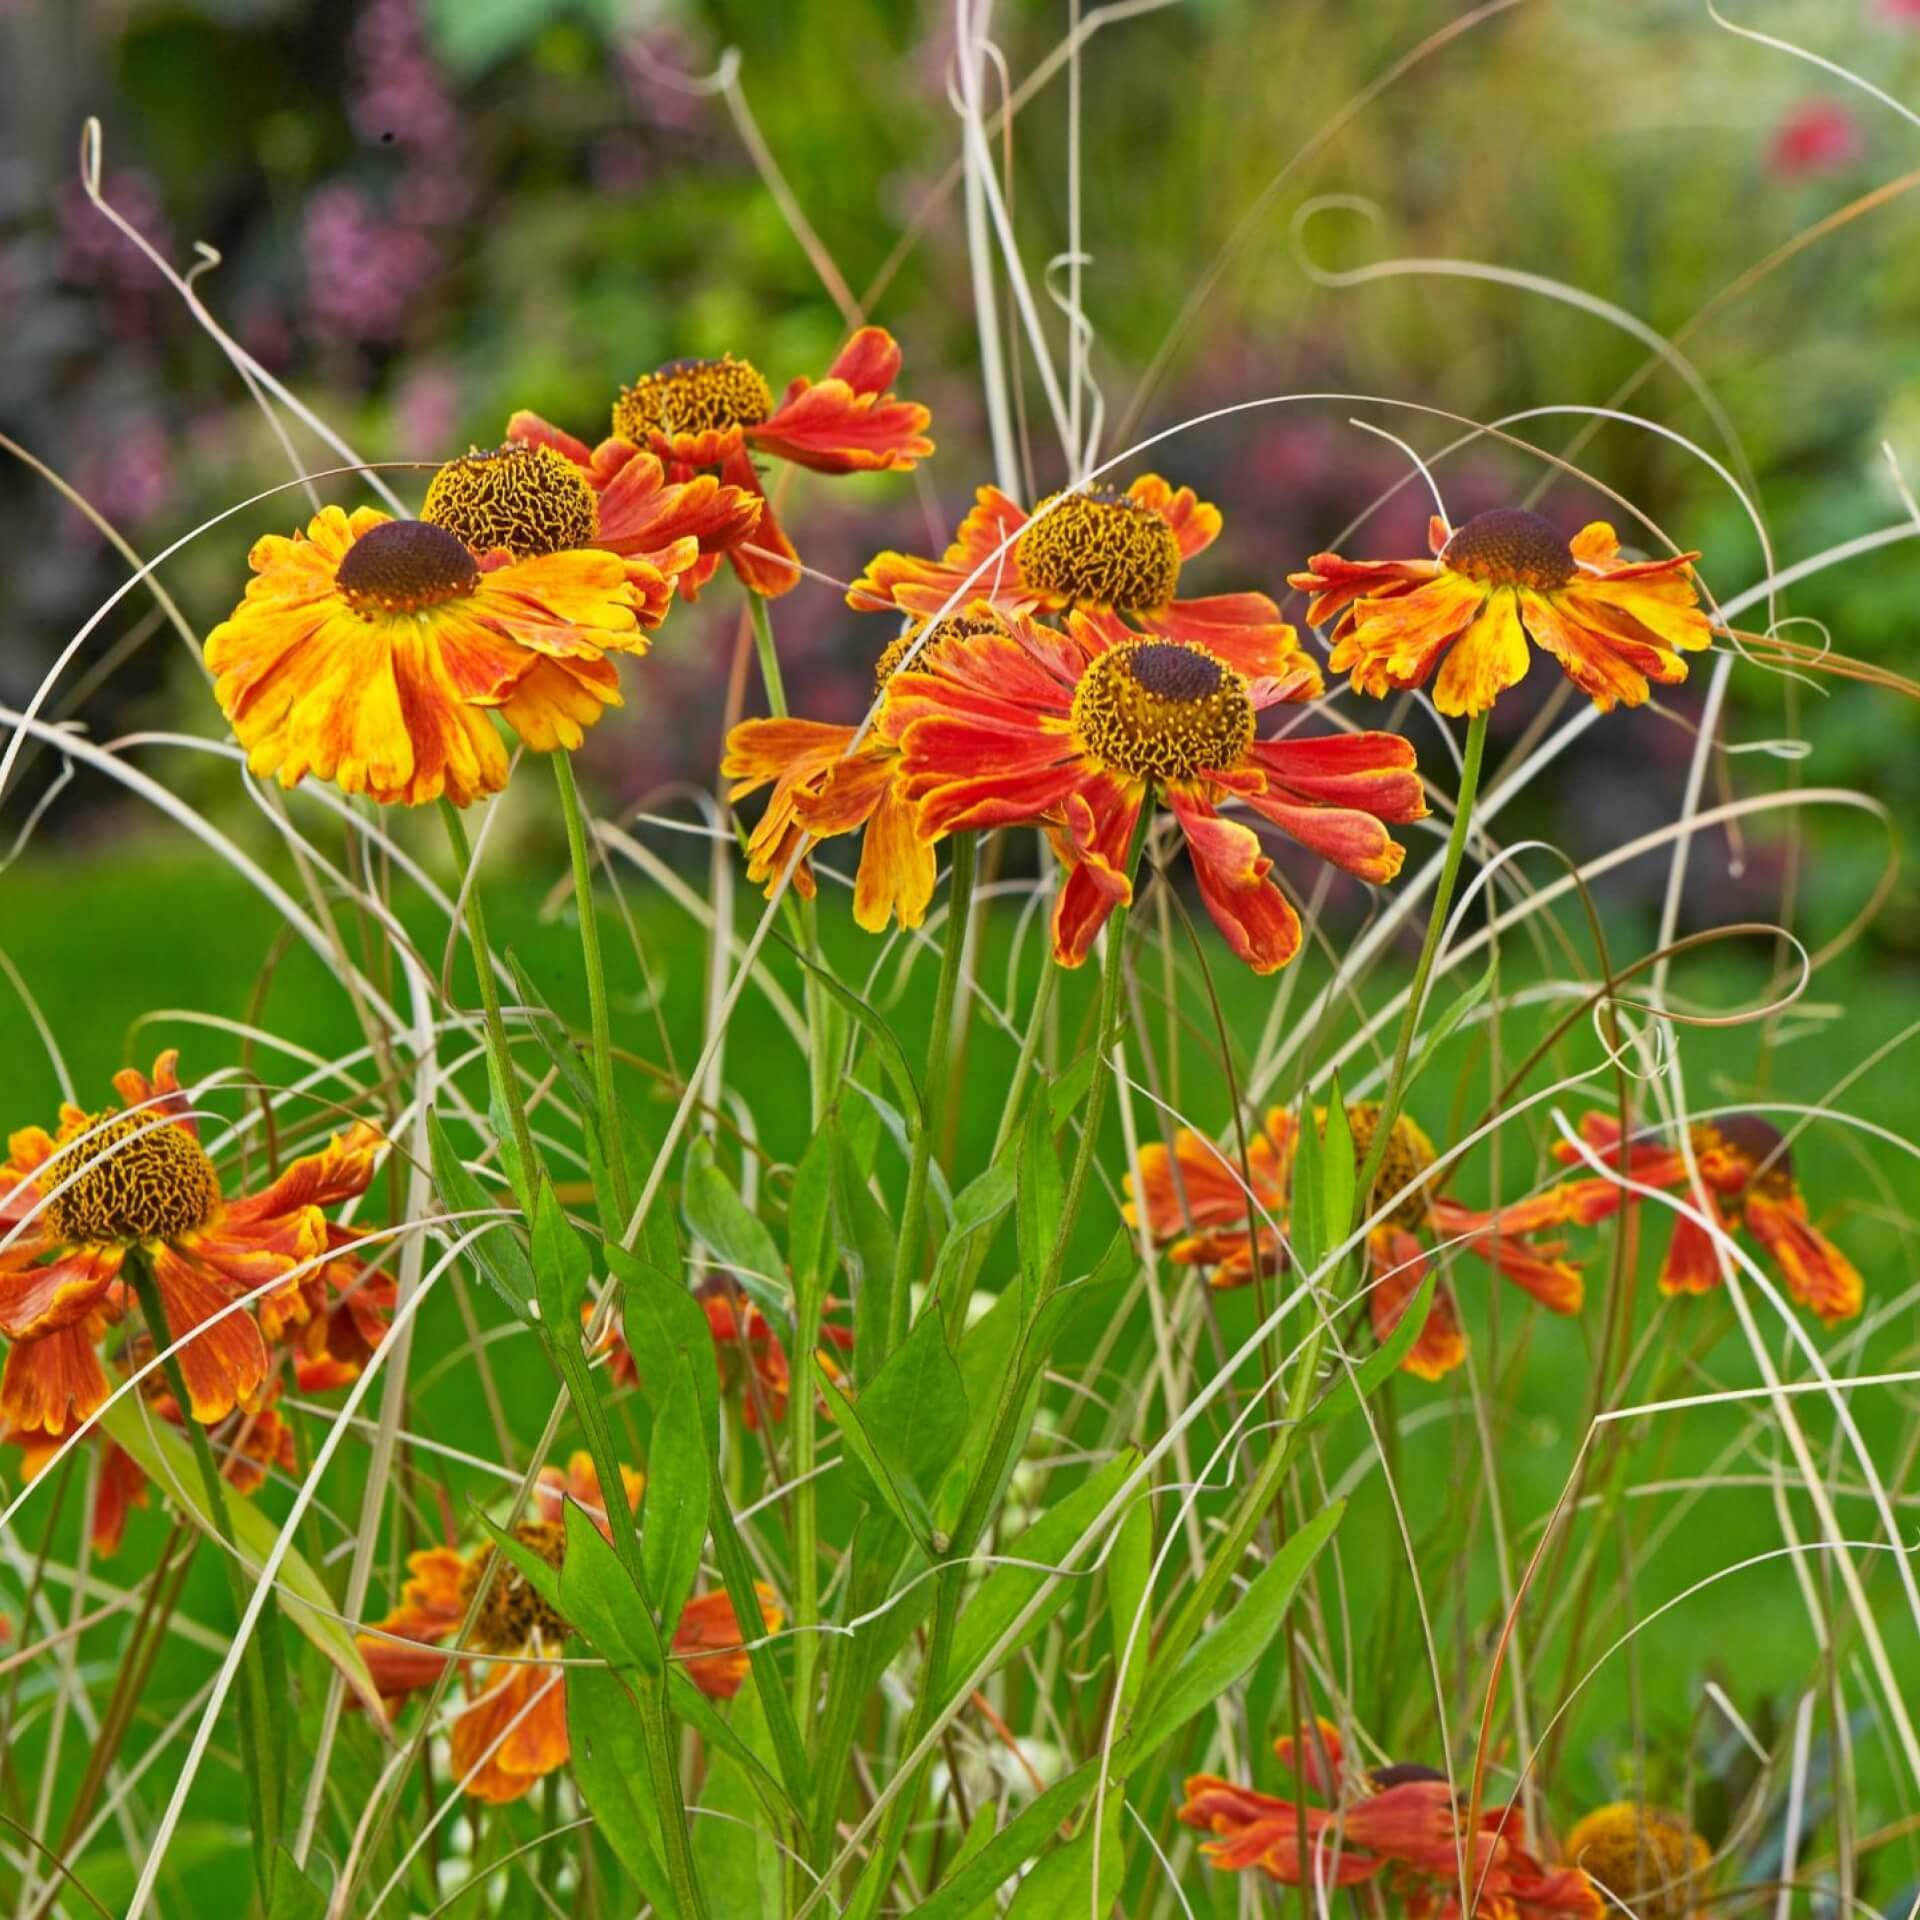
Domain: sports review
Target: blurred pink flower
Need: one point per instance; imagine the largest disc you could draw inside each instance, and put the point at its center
(397, 95)
(94, 252)
(366, 273)
(1820, 136)
(1902, 13)
(127, 486)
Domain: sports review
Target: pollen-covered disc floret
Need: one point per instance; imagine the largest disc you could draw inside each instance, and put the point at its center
(1162, 710)
(528, 500)
(1098, 548)
(405, 566)
(128, 1177)
(1651, 1861)
(1510, 547)
(1409, 1155)
(513, 1614)
(952, 626)
(692, 396)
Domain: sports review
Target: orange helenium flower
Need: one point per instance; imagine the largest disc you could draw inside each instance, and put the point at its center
(1402, 1825)
(513, 1730)
(1093, 549)
(370, 652)
(718, 413)
(824, 786)
(74, 1205)
(1748, 1173)
(1501, 579)
(1197, 1205)
(1078, 731)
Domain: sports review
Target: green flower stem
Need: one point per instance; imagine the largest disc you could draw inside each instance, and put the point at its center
(612, 1145)
(769, 655)
(1265, 1487)
(496, 1026)
(939, 1059)
(258, 1755)
(977, 1510)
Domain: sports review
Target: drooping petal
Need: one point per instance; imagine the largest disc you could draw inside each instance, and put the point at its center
(225, 1362)
(554, 702)
(1817, 1273)
(1399, 1266)
(1490, 656)
(1236, 883)
(38, 1300)
(896, 874)
(1246, 631)
(1099, 815)
(764, 559)
(1394, 643)
(1335, 583)
(513, 1735)
(708, 1640)
(342, 1169)
(54, 1382)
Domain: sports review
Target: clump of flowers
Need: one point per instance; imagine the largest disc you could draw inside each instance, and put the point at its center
(1747, 1170)
(1230, 1222)
(512, 1731)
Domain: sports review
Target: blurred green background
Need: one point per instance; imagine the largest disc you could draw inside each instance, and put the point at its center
(430, 212)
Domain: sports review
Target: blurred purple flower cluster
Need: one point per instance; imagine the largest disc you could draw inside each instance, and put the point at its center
(372, 259)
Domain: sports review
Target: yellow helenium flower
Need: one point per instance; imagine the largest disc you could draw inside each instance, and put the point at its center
(1650, 1861)
(369, 650)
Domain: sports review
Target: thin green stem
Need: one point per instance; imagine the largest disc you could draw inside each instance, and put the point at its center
(769, 655)
(939, 1059)
(612, 1146)
(258, 1757)
(496, 1026)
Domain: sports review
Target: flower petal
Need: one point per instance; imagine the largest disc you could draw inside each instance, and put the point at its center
(1236, 884)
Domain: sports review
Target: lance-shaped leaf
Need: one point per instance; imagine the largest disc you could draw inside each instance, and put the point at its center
(722, 1219)
(662, 1322)
(497, 1251)
(1229, 1649)
(674, 1520)
(561, 1268)
(1349, 1389)
(972, 1884)
(610, 1769)
(597, 1596)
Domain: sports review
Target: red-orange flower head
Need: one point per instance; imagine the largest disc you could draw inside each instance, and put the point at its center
(75, 1205)
(1078, 731)
(1747, 1169)
(1211, 1214)
(718, 413)
(1503, 578)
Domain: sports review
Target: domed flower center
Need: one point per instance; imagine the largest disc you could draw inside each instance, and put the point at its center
(513, 1614)
(405, 566)
(1099, 548)
(1511, 547)
(1650, 1861)
(529, 500)
(953, 626)
(1759, 1143)
(1162, 710)
(692, 396)
(128, 1177)
(1409, 1155)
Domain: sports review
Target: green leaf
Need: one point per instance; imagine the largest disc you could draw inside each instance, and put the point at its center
(1041, 1197)
(674, 1519)
(164, 1455)
(609, 1765)
(970, 1887)
(735, 1845)
(1007, 1589)
(872, 1475)
(914, 1410)
(1341, 1398)
(555, 1037)
(718, 1215)
(561, 1268)
(1230, 1648)
(597, 1595)
(295, 1895)
(1061, 1883)
(497, 1251)
(500, 1120)
(690, 1705)
(663, 1321)
(540, 1574)
(871, 1240)
(1338, 1174)
(976, 1209)
(810, 1214)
